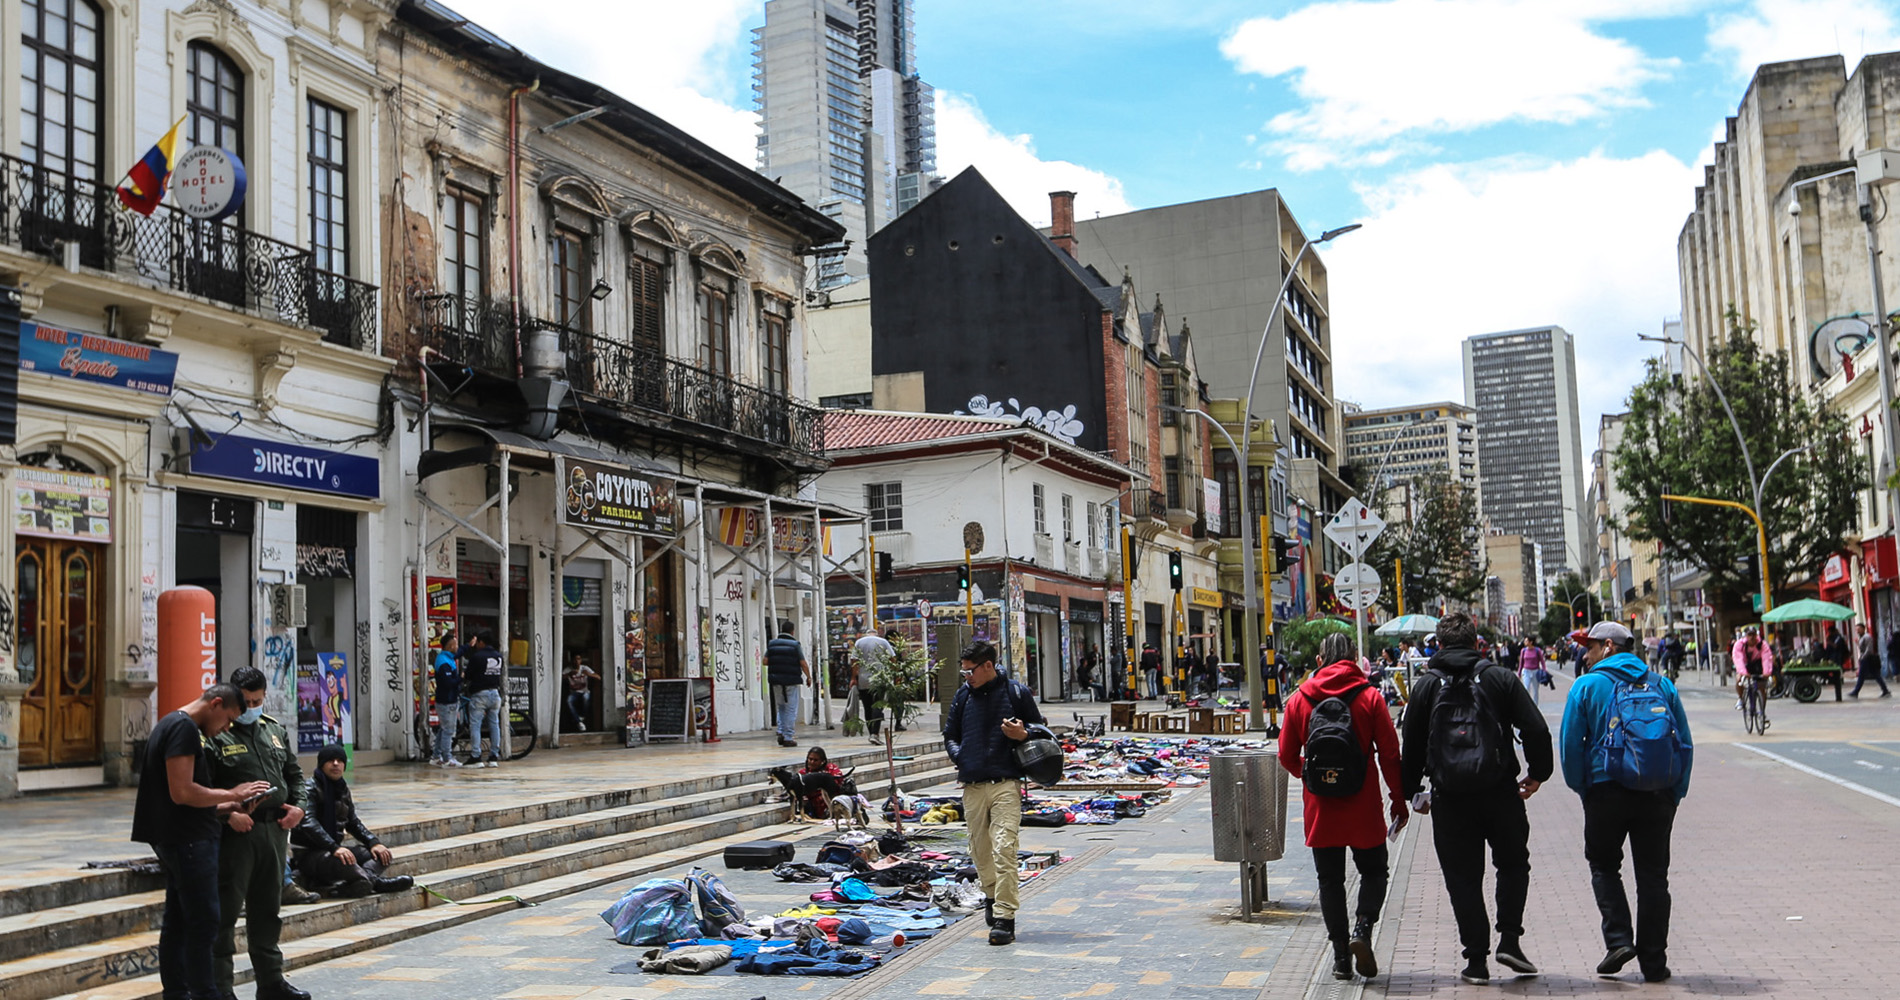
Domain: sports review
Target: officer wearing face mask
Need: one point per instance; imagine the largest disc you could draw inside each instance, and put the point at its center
(256, 837)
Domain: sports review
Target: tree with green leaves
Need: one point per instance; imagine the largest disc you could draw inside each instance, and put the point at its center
(1442, 545)
(1677, 439)
(1559, 619)
(895, 687)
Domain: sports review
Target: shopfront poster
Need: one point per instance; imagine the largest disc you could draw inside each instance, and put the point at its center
(323, 702)
(617, 499)
(53, 504)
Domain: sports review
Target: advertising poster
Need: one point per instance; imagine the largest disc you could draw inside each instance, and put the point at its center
(53, 504)
(604, 496)
(323, 702)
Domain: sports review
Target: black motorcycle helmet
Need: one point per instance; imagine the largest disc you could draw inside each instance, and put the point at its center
(1041, 757)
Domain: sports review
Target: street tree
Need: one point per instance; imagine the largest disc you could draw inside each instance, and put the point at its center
(1436, 535)
(1678, 440)
(1583, 608)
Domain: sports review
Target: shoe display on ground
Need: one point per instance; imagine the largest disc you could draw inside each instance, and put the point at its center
(1476, 973)
(1615, 959)
(1003, 931)
(1511, 956)
(296, 895)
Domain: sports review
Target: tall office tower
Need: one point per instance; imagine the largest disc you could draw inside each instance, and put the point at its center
(843, 119)
(1523, 383)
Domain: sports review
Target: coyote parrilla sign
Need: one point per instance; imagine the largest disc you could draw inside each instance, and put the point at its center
(617, 499)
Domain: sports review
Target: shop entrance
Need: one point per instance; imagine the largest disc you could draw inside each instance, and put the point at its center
(582, 643)
(214, 552)
(61, 593)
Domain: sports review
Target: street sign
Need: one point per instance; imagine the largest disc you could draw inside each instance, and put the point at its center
(1354, 528)
(973, 536)
(1705, 612)
(923, 609)
(1356, 585)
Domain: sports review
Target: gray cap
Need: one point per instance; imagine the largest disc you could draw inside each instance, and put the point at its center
(1614, 632)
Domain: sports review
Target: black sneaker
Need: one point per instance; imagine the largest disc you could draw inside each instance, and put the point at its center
(1476, 973)
(1615, 959)
(1511, 955)
(1656, 973)
(1003, 931)
(1342, 964)
(1361, 946)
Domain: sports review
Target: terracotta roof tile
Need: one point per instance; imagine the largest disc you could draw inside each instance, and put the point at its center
(846, 429)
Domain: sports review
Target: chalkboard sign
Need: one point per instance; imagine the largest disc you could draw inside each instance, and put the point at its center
(668, 715)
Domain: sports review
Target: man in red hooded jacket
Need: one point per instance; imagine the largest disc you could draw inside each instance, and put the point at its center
(1335, 823)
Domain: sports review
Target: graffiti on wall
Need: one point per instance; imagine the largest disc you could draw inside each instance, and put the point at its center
(392, 657)
(1058, 423)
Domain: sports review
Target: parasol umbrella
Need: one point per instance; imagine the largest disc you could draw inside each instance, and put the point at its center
(1808, 610)
(1408, 625)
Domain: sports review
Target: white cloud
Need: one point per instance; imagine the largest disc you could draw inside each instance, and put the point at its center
(679, 69)
(1373, 71)
(1776, 30)
(1451, 251)
(1010, 163)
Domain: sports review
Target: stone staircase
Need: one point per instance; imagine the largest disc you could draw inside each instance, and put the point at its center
(94, 934)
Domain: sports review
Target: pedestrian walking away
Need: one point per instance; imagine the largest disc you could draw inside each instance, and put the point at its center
(1338, 739)
(338, 870)
(870, 652)
(1151, 668)
(177, 813)
(1458, 731)
(482, 676)
(256, 841)
(448, 699)
(988, 719)
(1868, 666)
(1627, 752)
(785, 669)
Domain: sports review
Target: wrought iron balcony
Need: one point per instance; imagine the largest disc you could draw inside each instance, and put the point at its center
(1157, 505)
(640, 377)
(469, 331)
(43, 210)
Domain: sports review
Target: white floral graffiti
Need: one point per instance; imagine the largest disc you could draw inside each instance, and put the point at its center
(1060, 423)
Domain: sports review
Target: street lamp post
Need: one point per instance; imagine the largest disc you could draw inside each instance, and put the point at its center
(1250, 630)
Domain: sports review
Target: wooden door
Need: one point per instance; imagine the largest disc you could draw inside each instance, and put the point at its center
(61, 591)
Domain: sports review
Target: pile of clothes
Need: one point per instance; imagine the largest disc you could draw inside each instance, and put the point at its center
(1134, 759)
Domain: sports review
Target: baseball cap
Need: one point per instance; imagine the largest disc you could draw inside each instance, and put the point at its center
(1610, 631)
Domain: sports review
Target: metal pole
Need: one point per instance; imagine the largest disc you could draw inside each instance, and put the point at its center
(870, 578)
(1883, 336)
(969, 595)
(1270, 659)
(1398, 580)
(1250, 628)
(1128, 605)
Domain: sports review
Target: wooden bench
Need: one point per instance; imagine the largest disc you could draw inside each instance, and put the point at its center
(1168, 722)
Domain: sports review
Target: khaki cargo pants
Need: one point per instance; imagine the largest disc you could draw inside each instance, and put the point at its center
(994, 811)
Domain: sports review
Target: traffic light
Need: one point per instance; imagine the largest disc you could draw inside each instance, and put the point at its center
(1282, 553)
(885, 570)
(963, 577)
(1174, 570)
(1579, 616)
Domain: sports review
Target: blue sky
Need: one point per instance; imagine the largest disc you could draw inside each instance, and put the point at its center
(1514, 162)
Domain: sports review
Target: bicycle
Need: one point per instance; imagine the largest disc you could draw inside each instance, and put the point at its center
(1754, 706)
(520, 736)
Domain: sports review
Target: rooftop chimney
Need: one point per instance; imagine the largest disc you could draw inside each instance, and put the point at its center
(1062, 220)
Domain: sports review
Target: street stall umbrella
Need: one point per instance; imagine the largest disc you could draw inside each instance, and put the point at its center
(1408, 625)
(1808, 610)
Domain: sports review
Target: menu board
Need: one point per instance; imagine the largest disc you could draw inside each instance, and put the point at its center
(54, 504)
(668, 717)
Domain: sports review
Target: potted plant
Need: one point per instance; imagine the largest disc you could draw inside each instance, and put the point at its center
(895, 687)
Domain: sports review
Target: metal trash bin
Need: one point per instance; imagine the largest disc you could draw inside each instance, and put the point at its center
(1249, 790)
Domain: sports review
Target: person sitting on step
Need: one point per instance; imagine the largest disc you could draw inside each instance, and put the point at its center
(334, 869)
(816, 784)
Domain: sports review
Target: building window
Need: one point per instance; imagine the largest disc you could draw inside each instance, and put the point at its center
(1068, 518)
(1040, 502)
(1228, 475)
(329, 187)
(572, 303)
(885, 501)
(778, 371)
(464, 252)
(1170, 399)
(60, 112)
(646, 294)
(214, 103)
(1171, 468)
(715, 331)
(1091, 520)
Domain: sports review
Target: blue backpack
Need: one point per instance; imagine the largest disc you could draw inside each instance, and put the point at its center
(1641, 748)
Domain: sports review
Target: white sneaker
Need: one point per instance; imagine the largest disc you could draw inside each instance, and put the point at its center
(583, 726)
(491, 763)
(451, 762)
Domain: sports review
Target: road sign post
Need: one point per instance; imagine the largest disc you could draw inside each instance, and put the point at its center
(1354, 528)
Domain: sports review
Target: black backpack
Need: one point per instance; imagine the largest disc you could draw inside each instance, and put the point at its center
(1462, 754)
(1335, 766)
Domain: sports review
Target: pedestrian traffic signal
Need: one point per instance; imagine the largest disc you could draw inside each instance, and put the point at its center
(1174, 570)
(1282, 553)
(963, 577)
(1579, 616)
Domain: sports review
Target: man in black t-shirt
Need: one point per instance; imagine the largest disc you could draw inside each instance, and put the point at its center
(482, 676)
(177, 814)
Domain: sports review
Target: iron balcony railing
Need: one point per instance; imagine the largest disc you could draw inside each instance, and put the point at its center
(469, 331)
(43, 211)
(1157, 505)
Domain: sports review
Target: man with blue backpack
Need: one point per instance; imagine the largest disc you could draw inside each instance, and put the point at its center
(1626, 750)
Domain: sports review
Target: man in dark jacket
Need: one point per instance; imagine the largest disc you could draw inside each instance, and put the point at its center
(1464, 818)
(322, 856)
(483, 673)
(785, 669)
(989, 717)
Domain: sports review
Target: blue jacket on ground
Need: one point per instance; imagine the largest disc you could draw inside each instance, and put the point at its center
(1586, 718)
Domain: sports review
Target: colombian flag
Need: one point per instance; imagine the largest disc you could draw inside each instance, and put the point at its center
(144, 185)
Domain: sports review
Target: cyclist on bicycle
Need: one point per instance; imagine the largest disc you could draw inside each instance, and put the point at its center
(1754, 658)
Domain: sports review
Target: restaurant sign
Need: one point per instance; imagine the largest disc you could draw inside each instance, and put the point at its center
(618, 499)
(54, 504)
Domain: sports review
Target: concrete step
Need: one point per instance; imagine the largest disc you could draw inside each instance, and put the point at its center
(82, 886)
(464, 868)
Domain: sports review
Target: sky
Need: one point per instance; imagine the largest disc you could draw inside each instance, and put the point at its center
(1514, 163)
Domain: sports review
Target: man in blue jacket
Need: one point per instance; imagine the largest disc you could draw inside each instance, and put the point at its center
(988, 719)
(1612, 810)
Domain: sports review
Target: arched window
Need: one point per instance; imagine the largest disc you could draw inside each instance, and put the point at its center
(60, 86)
(214, 100)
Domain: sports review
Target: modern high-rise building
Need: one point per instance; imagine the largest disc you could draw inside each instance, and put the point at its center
(844, 120)
(1523, 385)
(1401, 443)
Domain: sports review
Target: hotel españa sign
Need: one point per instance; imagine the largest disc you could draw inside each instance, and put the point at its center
(254, 460)
(89, 357)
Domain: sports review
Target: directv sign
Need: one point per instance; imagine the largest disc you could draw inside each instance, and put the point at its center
(254, 460)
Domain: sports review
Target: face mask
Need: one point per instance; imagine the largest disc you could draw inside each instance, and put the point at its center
(251, 715)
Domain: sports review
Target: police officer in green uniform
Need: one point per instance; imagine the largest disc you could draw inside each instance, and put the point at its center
(256, 840)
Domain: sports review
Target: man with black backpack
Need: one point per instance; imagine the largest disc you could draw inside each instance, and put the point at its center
(1627, 752)
(1336, 726)
(1458, 730)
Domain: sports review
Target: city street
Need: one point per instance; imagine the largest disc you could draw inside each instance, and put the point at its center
(1774, 889)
